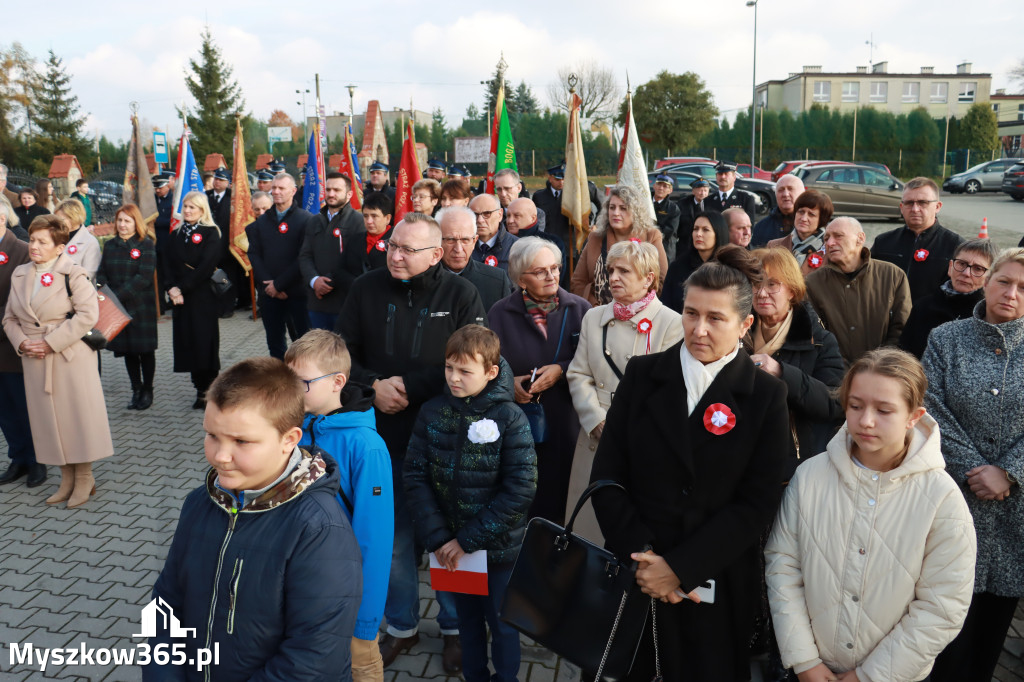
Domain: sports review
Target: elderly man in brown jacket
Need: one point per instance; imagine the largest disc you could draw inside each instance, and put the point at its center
(864, 302)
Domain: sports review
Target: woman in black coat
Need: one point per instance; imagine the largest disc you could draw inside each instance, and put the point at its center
(191, 256)
(709, 234)
(788, 341)
(30, 208)
(539, 326)
(127, 266)
(699, 489)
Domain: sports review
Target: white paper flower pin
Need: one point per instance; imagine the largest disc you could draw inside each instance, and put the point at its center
(483, 431)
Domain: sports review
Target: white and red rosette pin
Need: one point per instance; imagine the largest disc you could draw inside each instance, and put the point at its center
(815, 260)
(381, 245)
(73, 249)
(719, 419)
(635, 240)
(283, 228)
(644, 327)
(492, 261)
(921, 255)
(337, 232)
(3, 258)
(46, 280)
(135, 254)
(197, 238)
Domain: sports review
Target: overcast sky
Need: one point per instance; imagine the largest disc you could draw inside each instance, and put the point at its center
(438, 52)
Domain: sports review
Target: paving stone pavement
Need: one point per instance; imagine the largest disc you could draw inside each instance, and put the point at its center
(69, 577)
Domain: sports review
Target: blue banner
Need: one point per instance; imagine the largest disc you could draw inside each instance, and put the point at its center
(188, 180)
(311, 188)
(355, 159)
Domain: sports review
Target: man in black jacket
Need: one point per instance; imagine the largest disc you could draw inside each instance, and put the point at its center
(220, 208)
(320, 259)
(379, 183)
(728, 195)
(549, 202)
(689, 206)
(275, 240)
(667, 212)
(458, 235)
(923, 247)
(779, 222)
(522, 219)
(493, 241)
(396, 322)
(162, 227)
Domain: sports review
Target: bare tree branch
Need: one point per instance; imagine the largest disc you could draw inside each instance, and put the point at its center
(597, 88)
(1017, 75)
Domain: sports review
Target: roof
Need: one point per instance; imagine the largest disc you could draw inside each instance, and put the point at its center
(263, 161)
(214, 161)
(62, 165)
(151, 163)
(334, 162)
(303, 159)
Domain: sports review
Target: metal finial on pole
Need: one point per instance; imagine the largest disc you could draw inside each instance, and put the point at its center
(629, 90)
(133, 106)
(573, 80)
(502, 67)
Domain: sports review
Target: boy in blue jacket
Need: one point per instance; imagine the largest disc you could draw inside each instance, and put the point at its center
(470, 475)
(264, 567)
(340, 423)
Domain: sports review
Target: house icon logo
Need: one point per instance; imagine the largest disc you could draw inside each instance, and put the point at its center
(158, 614)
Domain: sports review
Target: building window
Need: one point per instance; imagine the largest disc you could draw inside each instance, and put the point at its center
(967, 91)
(995, 108)
(939, 92)
(822, 91)
(1020, 112)
(851, 91)
(911, 92)
(762, 98)
(879, 91)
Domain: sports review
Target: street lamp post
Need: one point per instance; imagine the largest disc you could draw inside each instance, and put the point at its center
(753, 100)
(305, 122)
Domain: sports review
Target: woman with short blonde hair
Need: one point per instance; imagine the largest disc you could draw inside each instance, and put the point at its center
(82, 248)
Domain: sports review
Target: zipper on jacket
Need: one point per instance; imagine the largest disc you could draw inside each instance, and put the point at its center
(389, 333)
(417, 336)
(216, 579)
(236, 575)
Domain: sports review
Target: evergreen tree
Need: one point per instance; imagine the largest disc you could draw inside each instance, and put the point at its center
(58, 119)
(217, 97)
(979, 129)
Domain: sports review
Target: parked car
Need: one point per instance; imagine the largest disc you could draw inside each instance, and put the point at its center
(985, 177)
(787, 167)
(682, 180)
(675, 160)
(759, 174)
(1013, 181)
(858, 191)
(763, 190)
(875, 164)
(106, 197)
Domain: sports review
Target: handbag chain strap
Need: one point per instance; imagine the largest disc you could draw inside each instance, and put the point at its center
(611, 637)
(654, 626)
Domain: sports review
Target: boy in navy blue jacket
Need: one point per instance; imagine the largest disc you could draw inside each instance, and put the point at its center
(470, 475)
(264, 567)
(340, 423)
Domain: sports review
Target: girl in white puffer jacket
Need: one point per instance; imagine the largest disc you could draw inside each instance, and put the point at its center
(870, 564)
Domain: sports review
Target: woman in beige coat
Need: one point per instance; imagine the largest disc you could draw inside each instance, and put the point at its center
(82, 247)
(65, 398)
(635, 323)
(870, 564)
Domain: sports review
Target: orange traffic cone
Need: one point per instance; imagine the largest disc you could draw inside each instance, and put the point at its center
(984, 229)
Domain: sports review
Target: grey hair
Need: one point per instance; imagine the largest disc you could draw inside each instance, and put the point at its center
(633, 201)
(8, 211)
(282, 175)
(982, 247)
(847, 219)
(524, 251)
(455, 211)
(434, 229)
(260, 194)
(508, 173)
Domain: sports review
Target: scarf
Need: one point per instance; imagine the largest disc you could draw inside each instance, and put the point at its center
(802, 248)
(539, 311)
(770, 346)
(626, 311)
(373, 240)
(188, 228)
(698, 377)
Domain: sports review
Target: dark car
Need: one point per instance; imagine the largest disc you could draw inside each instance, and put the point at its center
(763, 190)
(858, 191)
(1013, 181)
(106, 197)
(682, 180)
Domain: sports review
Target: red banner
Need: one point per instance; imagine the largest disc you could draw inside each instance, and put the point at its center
(408, 175)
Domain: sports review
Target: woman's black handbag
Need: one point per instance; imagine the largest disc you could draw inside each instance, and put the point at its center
(577, 599)
(224, 291)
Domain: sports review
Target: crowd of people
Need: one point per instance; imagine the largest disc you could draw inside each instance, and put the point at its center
(817, 442)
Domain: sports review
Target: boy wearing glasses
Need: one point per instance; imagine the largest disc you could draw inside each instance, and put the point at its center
(340, 425)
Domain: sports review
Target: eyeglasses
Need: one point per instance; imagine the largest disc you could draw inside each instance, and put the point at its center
(771, 286)
(546, 273)
(422, 196)
(962, 265)
(465, 241)
(407, 250)
(309, 382)
(485, 214)
(921, 203)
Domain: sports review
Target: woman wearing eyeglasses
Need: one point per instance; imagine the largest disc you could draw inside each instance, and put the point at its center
(539, 327)
(955, 300)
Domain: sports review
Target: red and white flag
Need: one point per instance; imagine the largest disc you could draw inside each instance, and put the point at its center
(469, 578)
(632, 171)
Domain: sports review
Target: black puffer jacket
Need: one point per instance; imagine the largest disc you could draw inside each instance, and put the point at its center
(477, 493)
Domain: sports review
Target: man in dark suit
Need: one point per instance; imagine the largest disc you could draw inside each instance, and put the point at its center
(689, 207)
(549, 202)
(458, 235)
(275, 239)
(220, 208)
(379, 182)
(727, 195)
(668, 214)
(522, 219)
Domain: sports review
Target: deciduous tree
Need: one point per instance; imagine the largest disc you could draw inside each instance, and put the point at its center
(597, 87)
(672, 110)
(979, 128)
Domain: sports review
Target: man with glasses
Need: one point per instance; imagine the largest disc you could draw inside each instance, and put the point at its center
(493, 241)
(955, 299)
(396, 322)
(922, 248)
(458, 235)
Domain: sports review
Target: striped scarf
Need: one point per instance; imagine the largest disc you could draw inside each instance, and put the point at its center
(539, 310)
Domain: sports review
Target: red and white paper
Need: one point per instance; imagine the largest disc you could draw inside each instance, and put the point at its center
(469, 578)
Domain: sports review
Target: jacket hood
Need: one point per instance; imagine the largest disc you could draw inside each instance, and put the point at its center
(924, 454)
(356, 411)
(498, 390)
(310, 471)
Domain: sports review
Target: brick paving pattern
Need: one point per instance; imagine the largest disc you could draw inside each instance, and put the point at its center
(77, 576)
